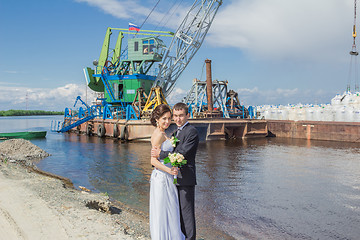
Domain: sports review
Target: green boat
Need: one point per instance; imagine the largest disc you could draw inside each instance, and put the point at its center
(25, 135)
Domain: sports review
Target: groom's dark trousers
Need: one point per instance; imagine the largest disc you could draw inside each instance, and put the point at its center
(187, 210)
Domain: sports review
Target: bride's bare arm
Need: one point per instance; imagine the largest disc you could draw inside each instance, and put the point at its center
(156, 141)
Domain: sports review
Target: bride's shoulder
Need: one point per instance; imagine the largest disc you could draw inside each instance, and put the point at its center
(157, 138)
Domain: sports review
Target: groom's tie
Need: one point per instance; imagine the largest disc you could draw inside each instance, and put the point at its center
(177, 132)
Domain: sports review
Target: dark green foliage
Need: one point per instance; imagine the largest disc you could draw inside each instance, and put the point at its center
(12, 112)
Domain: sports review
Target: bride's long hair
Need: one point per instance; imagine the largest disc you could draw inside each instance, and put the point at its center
(158, 112)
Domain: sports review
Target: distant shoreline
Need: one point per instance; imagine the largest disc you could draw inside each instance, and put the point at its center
(12, 112)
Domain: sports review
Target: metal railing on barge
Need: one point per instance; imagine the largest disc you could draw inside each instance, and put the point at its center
(104, 111)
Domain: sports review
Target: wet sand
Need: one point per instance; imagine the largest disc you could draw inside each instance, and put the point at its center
(34, 206)
(39, 205)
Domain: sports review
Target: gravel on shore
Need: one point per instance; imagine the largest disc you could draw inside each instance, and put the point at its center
(39, 205)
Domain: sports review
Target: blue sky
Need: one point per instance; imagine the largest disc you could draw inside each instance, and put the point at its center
(270, 51)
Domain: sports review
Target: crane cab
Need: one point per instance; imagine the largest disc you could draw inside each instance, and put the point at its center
(135, 71)
(120, 73)
(145, 49)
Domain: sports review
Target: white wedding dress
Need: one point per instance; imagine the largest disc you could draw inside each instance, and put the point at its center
(164, 204)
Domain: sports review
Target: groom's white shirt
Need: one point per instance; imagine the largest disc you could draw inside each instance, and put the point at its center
(181, 128)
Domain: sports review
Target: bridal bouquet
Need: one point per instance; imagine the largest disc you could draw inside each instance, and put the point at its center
(174, 140)
(176, 160)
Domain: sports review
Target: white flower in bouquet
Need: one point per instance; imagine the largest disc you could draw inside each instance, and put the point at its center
(176, 160)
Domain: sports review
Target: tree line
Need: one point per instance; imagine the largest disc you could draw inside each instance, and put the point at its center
(12, 112)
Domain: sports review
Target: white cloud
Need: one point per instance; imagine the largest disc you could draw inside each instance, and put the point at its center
(6, 84)
(256, 96)
(116, 8)
(137, 11)
(277, 29)
(10, 71)
(58, 98)
(278, 96)
(176, 96)
(41, 98)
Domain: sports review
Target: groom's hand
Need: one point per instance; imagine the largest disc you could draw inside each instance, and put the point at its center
(155, 152)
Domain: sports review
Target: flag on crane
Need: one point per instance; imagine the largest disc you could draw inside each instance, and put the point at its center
(133, 27)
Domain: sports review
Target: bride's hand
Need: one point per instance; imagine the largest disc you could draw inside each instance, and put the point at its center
(174, 171)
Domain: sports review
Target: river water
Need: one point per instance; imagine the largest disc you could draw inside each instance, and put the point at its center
(268, 188)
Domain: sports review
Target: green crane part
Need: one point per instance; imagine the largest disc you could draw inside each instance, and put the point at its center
(125, 89)
(142, 53)
(93, 84)
(117, 50)
(104, 50)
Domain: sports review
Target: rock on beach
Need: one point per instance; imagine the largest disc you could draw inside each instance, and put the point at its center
(21, 150)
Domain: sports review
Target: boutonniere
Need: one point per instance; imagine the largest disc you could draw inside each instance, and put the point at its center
(174, 140)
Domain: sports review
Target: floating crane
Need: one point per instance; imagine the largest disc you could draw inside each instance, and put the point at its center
(144, 52)
(126, 76)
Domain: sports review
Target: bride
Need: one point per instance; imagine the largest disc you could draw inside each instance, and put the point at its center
(164, 203)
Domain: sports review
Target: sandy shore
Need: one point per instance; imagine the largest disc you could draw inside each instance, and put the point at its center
(36, 206)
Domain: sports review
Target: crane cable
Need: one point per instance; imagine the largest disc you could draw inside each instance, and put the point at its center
(354, 53)
(148, 15)
(166, 18)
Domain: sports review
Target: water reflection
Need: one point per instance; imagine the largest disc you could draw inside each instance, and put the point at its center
(283, 189)
(121, 170)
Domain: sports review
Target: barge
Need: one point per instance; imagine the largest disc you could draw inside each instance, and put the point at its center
(315, 130)
(208, 129)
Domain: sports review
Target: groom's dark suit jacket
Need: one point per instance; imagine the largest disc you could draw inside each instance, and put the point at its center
(187, 146)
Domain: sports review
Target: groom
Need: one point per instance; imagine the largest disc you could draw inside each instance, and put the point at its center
(187, 146)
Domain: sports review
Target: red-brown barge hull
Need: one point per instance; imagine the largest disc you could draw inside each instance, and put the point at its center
(316, 130)
(220, 129)
(209, 129)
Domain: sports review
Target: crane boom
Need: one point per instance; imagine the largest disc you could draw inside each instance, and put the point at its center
(186, 42)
